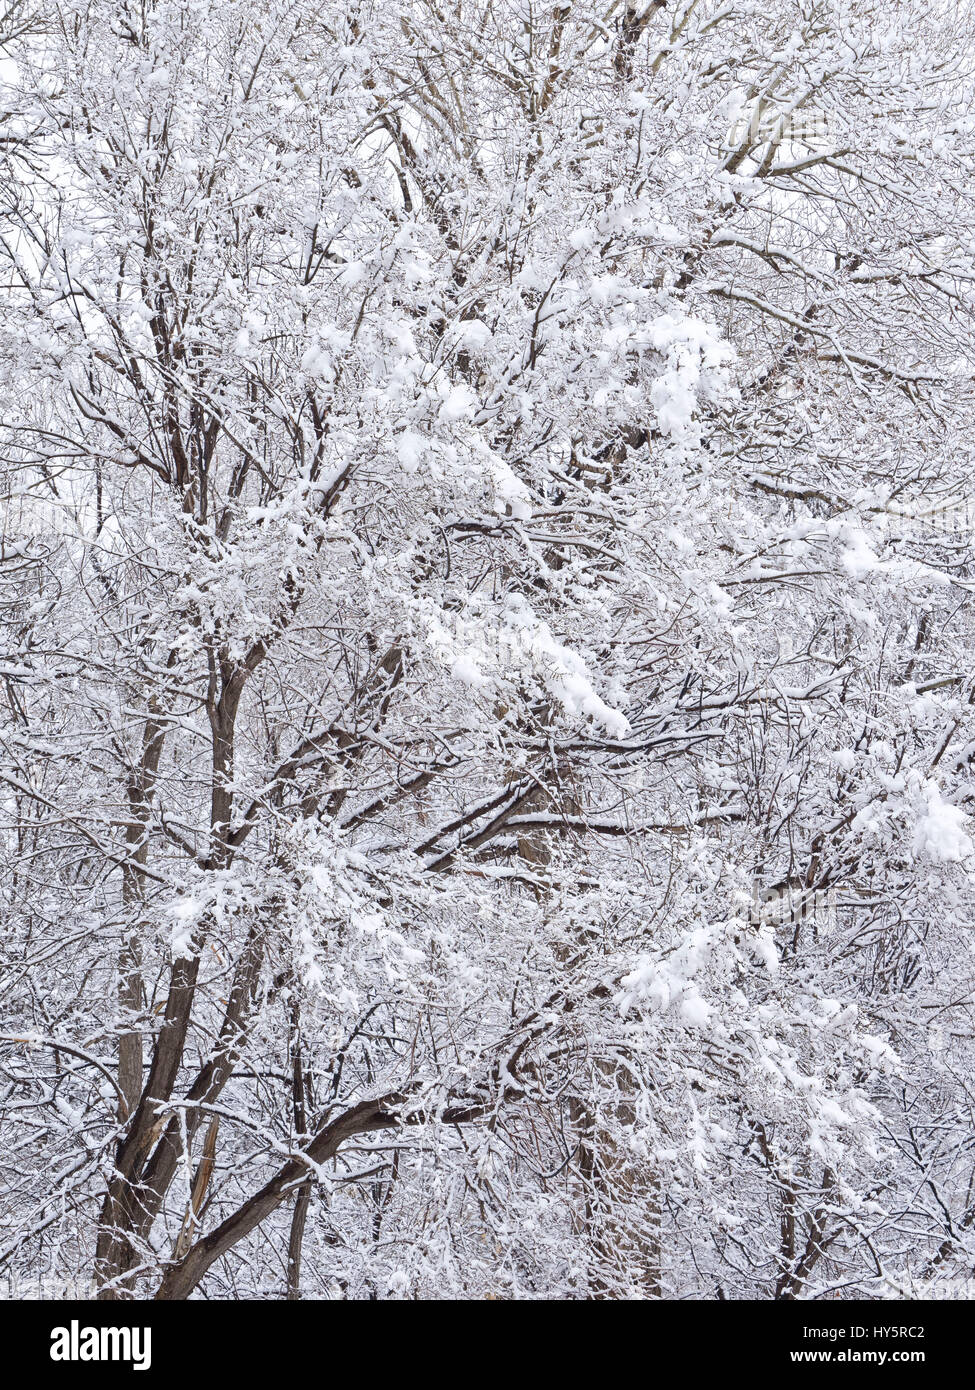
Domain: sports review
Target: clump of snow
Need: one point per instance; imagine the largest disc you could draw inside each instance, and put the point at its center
(467, 670)
(697, 360)
(410, 448)
(474, 335)
(664, 983)
(459, 404)
(510, 493)
(941, 832)
(186, 913)
(563, 671)
(859, 558)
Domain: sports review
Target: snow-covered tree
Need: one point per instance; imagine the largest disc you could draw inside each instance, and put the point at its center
(486, 572)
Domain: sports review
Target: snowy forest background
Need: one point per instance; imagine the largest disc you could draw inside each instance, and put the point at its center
(488, 721)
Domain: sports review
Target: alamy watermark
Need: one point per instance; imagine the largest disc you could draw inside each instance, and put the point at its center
(44, 1288)
(793, 905)
(74, 1342)
(763, 121)
(919, 517)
